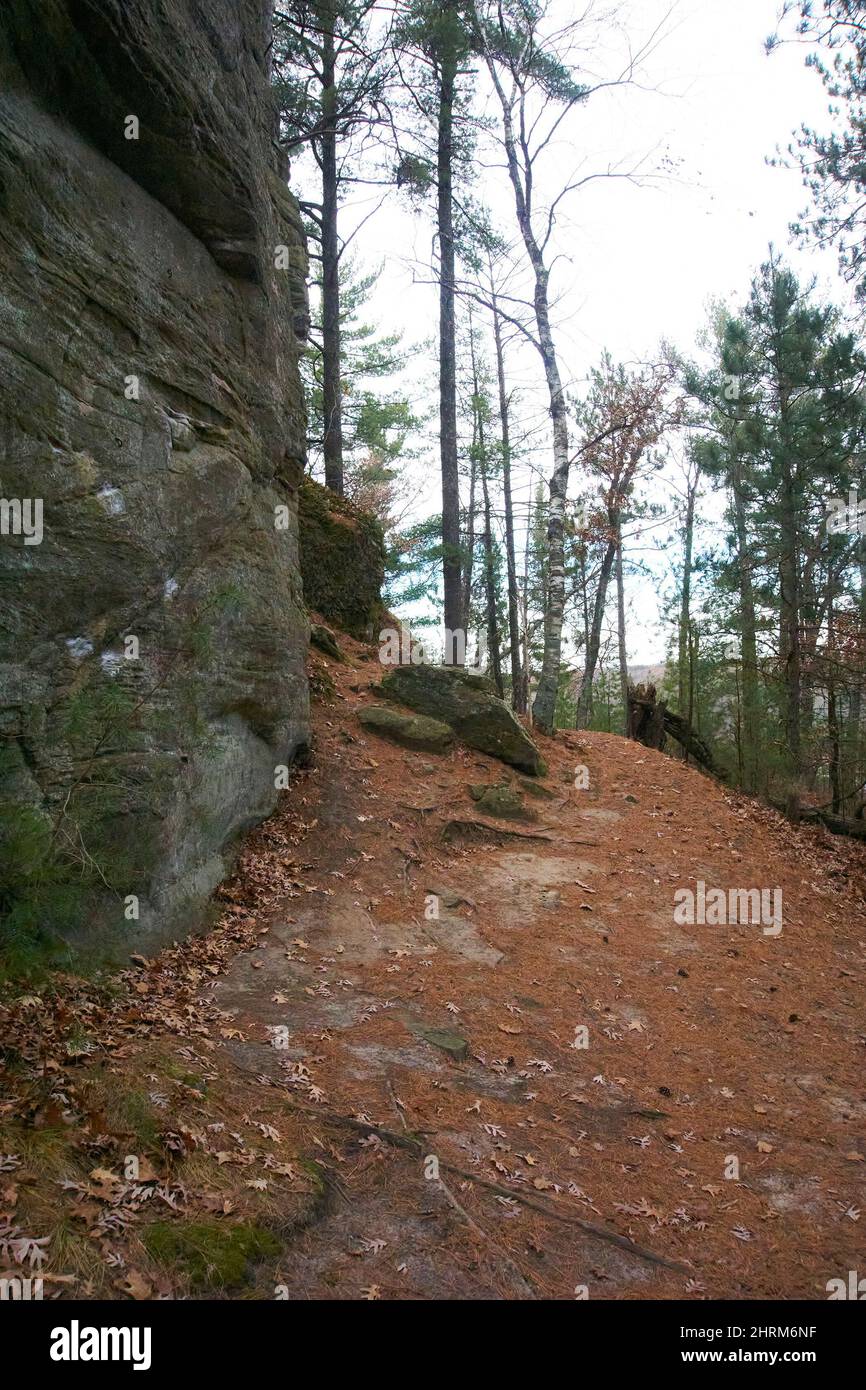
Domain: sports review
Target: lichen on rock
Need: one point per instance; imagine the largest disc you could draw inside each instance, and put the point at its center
(152, 645)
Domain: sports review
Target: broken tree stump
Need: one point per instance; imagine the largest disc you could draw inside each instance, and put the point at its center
(650, 722)
(646, 718)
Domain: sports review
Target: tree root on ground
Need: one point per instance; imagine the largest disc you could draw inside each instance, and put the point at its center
(414, 1146)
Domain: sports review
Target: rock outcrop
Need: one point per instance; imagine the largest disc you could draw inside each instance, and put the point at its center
(469, 704)
(152, 299)
(502, 801)
(416, 731)
(342, 561)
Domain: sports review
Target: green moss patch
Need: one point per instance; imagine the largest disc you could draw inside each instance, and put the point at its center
(416, 731)
(209, 1255)
(342, 560)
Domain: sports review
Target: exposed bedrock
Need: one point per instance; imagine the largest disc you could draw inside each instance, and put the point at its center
(152, 303)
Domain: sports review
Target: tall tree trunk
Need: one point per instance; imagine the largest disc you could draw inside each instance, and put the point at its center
(748, 638)
(331, 364)
(835, 769)
(685, 599)
(620, 626)
(451, 568)
(544, 706)
(694, 637)
(790, 594)
(584, 701)
(584, 593)
(855, 705)
(490, 578)
(517, 691)
(480, 442)
(469, 549)
(738, 726)
(524, 619)
(790, 632)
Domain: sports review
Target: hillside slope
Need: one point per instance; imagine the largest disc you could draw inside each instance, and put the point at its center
(337, 1014)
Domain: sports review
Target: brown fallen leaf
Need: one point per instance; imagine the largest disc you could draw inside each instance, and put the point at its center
(284, 1170)
(134, 1285)
(105, 1184)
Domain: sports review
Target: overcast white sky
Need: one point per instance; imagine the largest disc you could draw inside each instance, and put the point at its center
(638, 264)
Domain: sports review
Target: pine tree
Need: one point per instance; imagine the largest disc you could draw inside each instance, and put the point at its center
(834, 165)
(331, 70)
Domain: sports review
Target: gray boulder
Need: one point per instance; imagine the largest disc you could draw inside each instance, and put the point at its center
(502, 801)
(469, 704)
(415, 731)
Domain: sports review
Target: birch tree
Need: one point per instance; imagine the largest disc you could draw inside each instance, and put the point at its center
(528, 61)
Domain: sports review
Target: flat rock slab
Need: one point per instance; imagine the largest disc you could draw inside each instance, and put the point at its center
(461, 938)
(416, 731)
(446, 1039)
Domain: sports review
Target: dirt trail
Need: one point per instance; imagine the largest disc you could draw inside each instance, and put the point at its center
(376, 1000)
(707, 1045)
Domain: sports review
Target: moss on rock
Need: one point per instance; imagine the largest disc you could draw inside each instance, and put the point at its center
(502, 801)
(469, 703)
(416, 731)
(342, 560)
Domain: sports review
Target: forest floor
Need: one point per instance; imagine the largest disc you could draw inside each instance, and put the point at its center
(288, 1084)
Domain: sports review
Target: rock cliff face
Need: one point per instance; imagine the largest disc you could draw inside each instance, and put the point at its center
(342, 561)
(152, 634)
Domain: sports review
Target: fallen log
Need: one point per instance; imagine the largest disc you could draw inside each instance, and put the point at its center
(837, 825)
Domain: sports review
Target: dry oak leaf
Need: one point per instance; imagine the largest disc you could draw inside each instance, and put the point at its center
(106, 1185)
(135, 1286)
